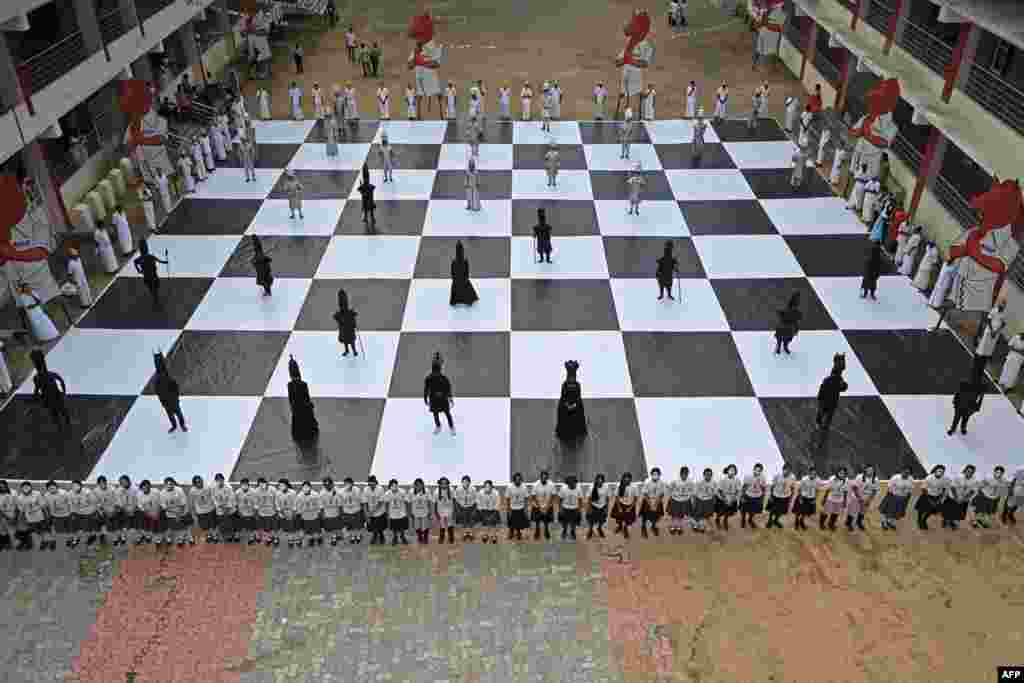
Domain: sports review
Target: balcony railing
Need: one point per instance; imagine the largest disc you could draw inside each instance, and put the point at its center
(47, 66)
(794, 34)
(928, 48)
(907, 153)
(1016, 270)
(879, 15)
(953, 201)
(828, 69)
(114, 24)
(998, 97)
(64, 159)
(147, 8)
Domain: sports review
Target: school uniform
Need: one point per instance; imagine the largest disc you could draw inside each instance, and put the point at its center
(465, 506)
(836, 493)
(680, 499)
(624, 507)
(32, 509)
(201, 502)
(517, 499)
(728, 496)
(753, 496)
(398, 516)
(309, 506)
(287, 512)
(225, 506)
(245, 500)
(175, 508)
(652, 506)
(330, 507)
(151, 513)
(266, 509)
(869, 490)
(127, 500)
(931, 498)
(376, 511)
(855, 497)
(894, 503)
(781, 492)
(597, 506)
(569, 506)
(421, 504)
(807, 500)
(106, 503)
(961, 491)
(542, 512)
(703, 500)
(58, 505)
(352, 515)
(487, 508)
(8, 518)
(990, 490)
(84, 513)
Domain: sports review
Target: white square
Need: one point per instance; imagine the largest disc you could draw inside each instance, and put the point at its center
(238, 303)
(640, 310)
(189, 255)
(746, 256)
(367, 375)
(774, 154)
(799, 374)
(607, 157)
(711, 184)
(427, 308)
(813, 216)
(408, 448)
(571, 258)
(676, 132)
(229, 183)
(925, 419)
(319, 218)
(375, 256)
(900, 306)
(530, 133)
(449, 218)
(413, 132)
(493, 157)
(413, 183)
(703, 432)
(658, 218)
(312, 156)
(538, 360)
(217, 427)
(282, 131)
(533, 184)
(105, 362)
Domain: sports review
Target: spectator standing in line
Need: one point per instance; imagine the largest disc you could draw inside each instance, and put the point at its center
(350, 44)
(298, 55)
(375, 53)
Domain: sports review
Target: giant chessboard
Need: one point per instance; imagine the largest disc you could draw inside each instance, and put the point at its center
(692, 382)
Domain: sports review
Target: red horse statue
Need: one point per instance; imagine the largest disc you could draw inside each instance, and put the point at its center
(425, 60)
(636, 56)
(876, 130)
(12, 210)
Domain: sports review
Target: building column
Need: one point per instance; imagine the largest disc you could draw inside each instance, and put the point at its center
(811, 49)
(10, 87)
(130, 13)
(931, 163)
(860, 12)
(88, 24)
(845, 74)
(36, 166)
(897, 23)
(962, 60)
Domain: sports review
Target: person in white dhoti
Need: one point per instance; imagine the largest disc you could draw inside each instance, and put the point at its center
(474, 105)
(124, 231)
(545, 107)
(410, 103)
(295, 98)
(992, 329)
(148, 208)
(635, 182)
(806, 119)
(318, 102)
(876, 130)
(940, 292)
(626, 133)
(293, 188)
(838, 159)
(425, 61)
(600, 102)
(451, 99)
(909, 262)
(926, 269)
(826, 137)
(216, 135)
(505, 102)
(104, 249)
(636, 56)
(6, 386)
(755, 108)
(163, 186)
(552, 162)
(796, 179)
(721, 102)
(39, 323)
(204, 142)
(263, 99)
(556, 100)
(384, 103)
(472, 185)
(700, 128)
(1011, 366)
(388, 157)
(526, 101)
(860, 179)
(351, 102)
(691, 99)
(871, 190)
(76, 273)
(792, 110)
(198, 162)
(647, 103)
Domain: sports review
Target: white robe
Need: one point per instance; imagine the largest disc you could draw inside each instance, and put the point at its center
(526, 103)
(804, 138)
(942, 286)
(857, 194)
(295, 96)
(149, 209)
(648, 106)
(220, 150)
(318, 103)
(837, 166)
(77, 273)
(163, 184)
(910, 254)
(185, 168)
(5, 375)
(1014, 360)
(505, 103)
(410, 105)
(721, 104)
(792, 108)
(208, 153)
(449, 99)
(105, 250)
(42, 328)
(556, 105)
(929, 262)
(124, 234)
(826, 137)
(691, 101)
(384, 104)
(264, 103)
(993, 330)
(198, 163)
(871, 190)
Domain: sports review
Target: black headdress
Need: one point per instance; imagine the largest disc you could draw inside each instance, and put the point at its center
(293, 368)
(160, 363)
(838, 363)
(542, 216)
(571, 366)
(460, 251)
(436, 362)
(38, 360)
(342, 300)
(366, 174)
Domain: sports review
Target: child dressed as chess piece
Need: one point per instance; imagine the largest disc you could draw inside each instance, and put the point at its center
(437, 395)
(721, 102)
(872, 188)
(351, 102)
(163, 186)
(647, 103)
(318, 102)
(700, 128)
(76, 273)
(691, 99)
(263, 102)
(1014, 360)
(346, 319)
(293, 188)
(217, 141)
(245, 149)
(37, 321)
(124, 231)
(926, 269)
(571, 420)
(366, 189)
(799, 167)
(261, 264)
(384, 103)
(668, 268)
(600, 97)
(526, 101)
(472, 185)
(295, 97)
(552, 163)
(626, 133)
(792, 109)
(872, 271)
(169, 393)
(204, 142)
(635, 183)
(145, 265)
(542, 236)
(388, 155)
(838, 159)
(104, 249)
(757, 103)
(410, 103)
(547, 105)
(860, 179)
(185, 171)
(198, 161)
(148, 208)
(50, 389)
(826, 137)
(462, 291)
(474, 133)
(505, 102)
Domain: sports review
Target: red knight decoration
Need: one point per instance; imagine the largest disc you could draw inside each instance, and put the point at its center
(877, 129)
(425, 60)
(637, 55)
(146, 128)
(12, 209)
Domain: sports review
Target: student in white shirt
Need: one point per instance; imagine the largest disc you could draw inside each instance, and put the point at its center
(837, 491)
(987, 500)
(309, 506)
(806, 503)
(863, 489)
(106, 504)
(266, 511)
(152, 524)
(569, 507)
(127, 510)
(727, 497)
(1014, 498)
(652, 506)
(624, 507)
(894, 504)
(201, 503)
(174, 503)
(353, 516)
(288, 515)
(331, 504)
(780, 496)
(488, 503)
(704, 500)
(376, 511)
(465, 508)
(961, 491)
(248, 521)
(398, 513)
(753, 490)
(517, 497)
(225, 505)
(58, 507)
(84, 515)
(8, 515)
(542, 504)
(32, 511)
(445, 508)
(421, 504)
(597, 507)
(933, 494)
(680, 501)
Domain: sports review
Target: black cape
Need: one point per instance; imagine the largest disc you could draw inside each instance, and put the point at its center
(968, 398)
(828, 393)
(571, 424)
(50, 388)
(145, 264)
(542, 231)
(872, 269)
(346, 326)
(462, 289)
(167, 390)
(437, 391)
(666, 270)
(305, 428)
(789, 324)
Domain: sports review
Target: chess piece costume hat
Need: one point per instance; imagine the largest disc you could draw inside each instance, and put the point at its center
(425, 60)
(876, 130)
(571, 422)
(637, 55)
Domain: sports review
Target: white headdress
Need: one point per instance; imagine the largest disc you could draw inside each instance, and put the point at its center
(637, 166)
(629, 113)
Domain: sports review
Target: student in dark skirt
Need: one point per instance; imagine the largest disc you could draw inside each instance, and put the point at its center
(353, 518)
(569, 507)
(127, 509)
(894, 504)
(987, 501)
(780, 496)
(727, 497)
(421, 505)
(58, 506)
(933, 495)
(465, 508)
(752, 498)
(376, 510)
(517, 497)
(201, 500)
(245, 501)
(84, 514)
(961, 491)
(652, 506)
(291, 525)
(444, 507)
(837, 495)
(542, 501)
(266, 511)
(309, 505)
(624, 507)
(225, 506)
(806, 504)
(488, 504)
(330, 508)
(597, 507)
(398, 512)
(150, 518)
(704, 500)
(680, 501)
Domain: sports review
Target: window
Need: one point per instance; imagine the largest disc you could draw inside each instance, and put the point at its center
(925, 14)
(917, 136)
(967, 177)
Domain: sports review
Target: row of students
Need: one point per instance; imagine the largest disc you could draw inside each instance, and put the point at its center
(264, 513)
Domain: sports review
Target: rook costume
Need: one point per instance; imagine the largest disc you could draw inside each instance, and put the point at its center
(571, 425)
(305, 428)
(77, 274)
(463, 291)
(167, 390)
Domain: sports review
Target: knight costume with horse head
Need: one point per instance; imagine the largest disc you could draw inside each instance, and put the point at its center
(876, 130)
(637, 55)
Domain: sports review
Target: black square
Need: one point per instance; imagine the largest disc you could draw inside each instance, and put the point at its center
(687, 364)
(752, 305)
(211, 217)
(452, 185)
(348, 436)
(834, 255)
(612, 185)
(681, 156)
(561, 305)
(394, 217)
(863, 433)
(267, 156)
(351, 132)
(421, 157)
(913, 362)
(126, 305)
(637, 257)
(319, 184)
(494, 133)
(613, 444)
(738, 130)
(488, 256)
(36, 447)
(380, 304)
(290, 256)
(531, 157)
(568, 218)
(607, 133)
(237, 363)
(729, 217)
(774, 183)
(477, 363)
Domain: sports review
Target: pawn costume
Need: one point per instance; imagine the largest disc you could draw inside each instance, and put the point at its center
(552, 162)
(542, 236)
(293, 188)
(167, 390)
(635, 184)
(261, 264)
(387, 157)
(789, 324)
(50, 389)
(346, 319)
(829, 391)
(699, 130)
(437, 393)
(145, 265)
(462, 291)
(366, 194)
(668, 267)
(626, 134)
(472, 186)
(305, 428)
(872, 271)
(571, 424)
(76, 272)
